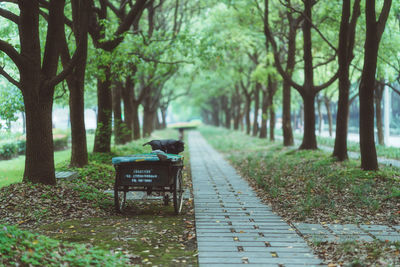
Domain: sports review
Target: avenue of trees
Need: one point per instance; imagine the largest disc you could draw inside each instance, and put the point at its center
(288, 55)
(236, 62)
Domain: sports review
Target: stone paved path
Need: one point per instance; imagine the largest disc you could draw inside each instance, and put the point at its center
(344, 232)
(233, 226)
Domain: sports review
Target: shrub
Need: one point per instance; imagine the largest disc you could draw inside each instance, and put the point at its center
(8, 150)
(60, 141)
(21, 144)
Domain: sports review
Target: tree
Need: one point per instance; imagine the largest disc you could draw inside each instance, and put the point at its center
(98, 32)
(374, 31)
(76, 82)
(345, 54)
(308, 90)
(37, 79)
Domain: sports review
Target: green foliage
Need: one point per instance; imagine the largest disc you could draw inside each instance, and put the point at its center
(19, 247)
(8, 150)
(11, 103)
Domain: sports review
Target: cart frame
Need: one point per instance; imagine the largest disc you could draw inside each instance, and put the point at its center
(149, 176)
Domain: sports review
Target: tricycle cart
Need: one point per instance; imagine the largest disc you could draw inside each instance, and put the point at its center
(146, 172)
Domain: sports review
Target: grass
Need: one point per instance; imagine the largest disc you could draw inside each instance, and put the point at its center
(11, 171)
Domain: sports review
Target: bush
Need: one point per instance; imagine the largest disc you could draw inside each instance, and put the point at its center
(60, 141)
(8, 150)
(21, 144)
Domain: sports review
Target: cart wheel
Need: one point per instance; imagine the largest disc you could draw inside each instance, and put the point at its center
(178, 192)
(119, 199)
(166, 200)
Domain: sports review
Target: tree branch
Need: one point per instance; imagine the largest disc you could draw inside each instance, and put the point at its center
(9, 15)
(10, 51)
(9, 78)
(312, 25)
(277, 62)
(383, 18)
(68, 68)
(134, 14)
(324, 85)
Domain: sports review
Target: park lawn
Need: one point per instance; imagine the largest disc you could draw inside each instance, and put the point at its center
(11, 171)
(310, 186)
(80, 211)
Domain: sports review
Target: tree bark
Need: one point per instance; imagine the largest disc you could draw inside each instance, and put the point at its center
(309, 138)
(256, 108)
(102, 141)
(264, 113)
(272, 87)
(329, 114)
(127, 90)
(136, 123)
(148, 122)
(379, 88)
(374, 32)
(319, 115)
(119, 137)
(247, 115)
(39, 160)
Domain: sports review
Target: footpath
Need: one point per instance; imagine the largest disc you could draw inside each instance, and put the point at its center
(233, 227)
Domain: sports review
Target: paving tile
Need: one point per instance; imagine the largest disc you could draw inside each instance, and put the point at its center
(378, 229)
(343, 229)
(390, 238)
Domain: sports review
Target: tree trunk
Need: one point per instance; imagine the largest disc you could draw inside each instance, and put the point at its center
(309, 137)
(308, 95)
(163, 118)
(148, 122)
(119, 137)
(379, 88)
(128, 108)
(264, 114)
(215, 112)
(135, 121)
(236, 114)
(247, 115)
(76, 86)
(319, 115)
(79, 154)
(158, 125)
(227, 111)
(256, 108)
(272, 87)
(329, 114)
(345, 56)
(374, 32)
(286, 116)
(272, 123)
(39, 160)
(102, 141)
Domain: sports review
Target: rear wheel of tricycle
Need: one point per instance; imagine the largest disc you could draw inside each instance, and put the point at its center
(119, 199)
(178, 192)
